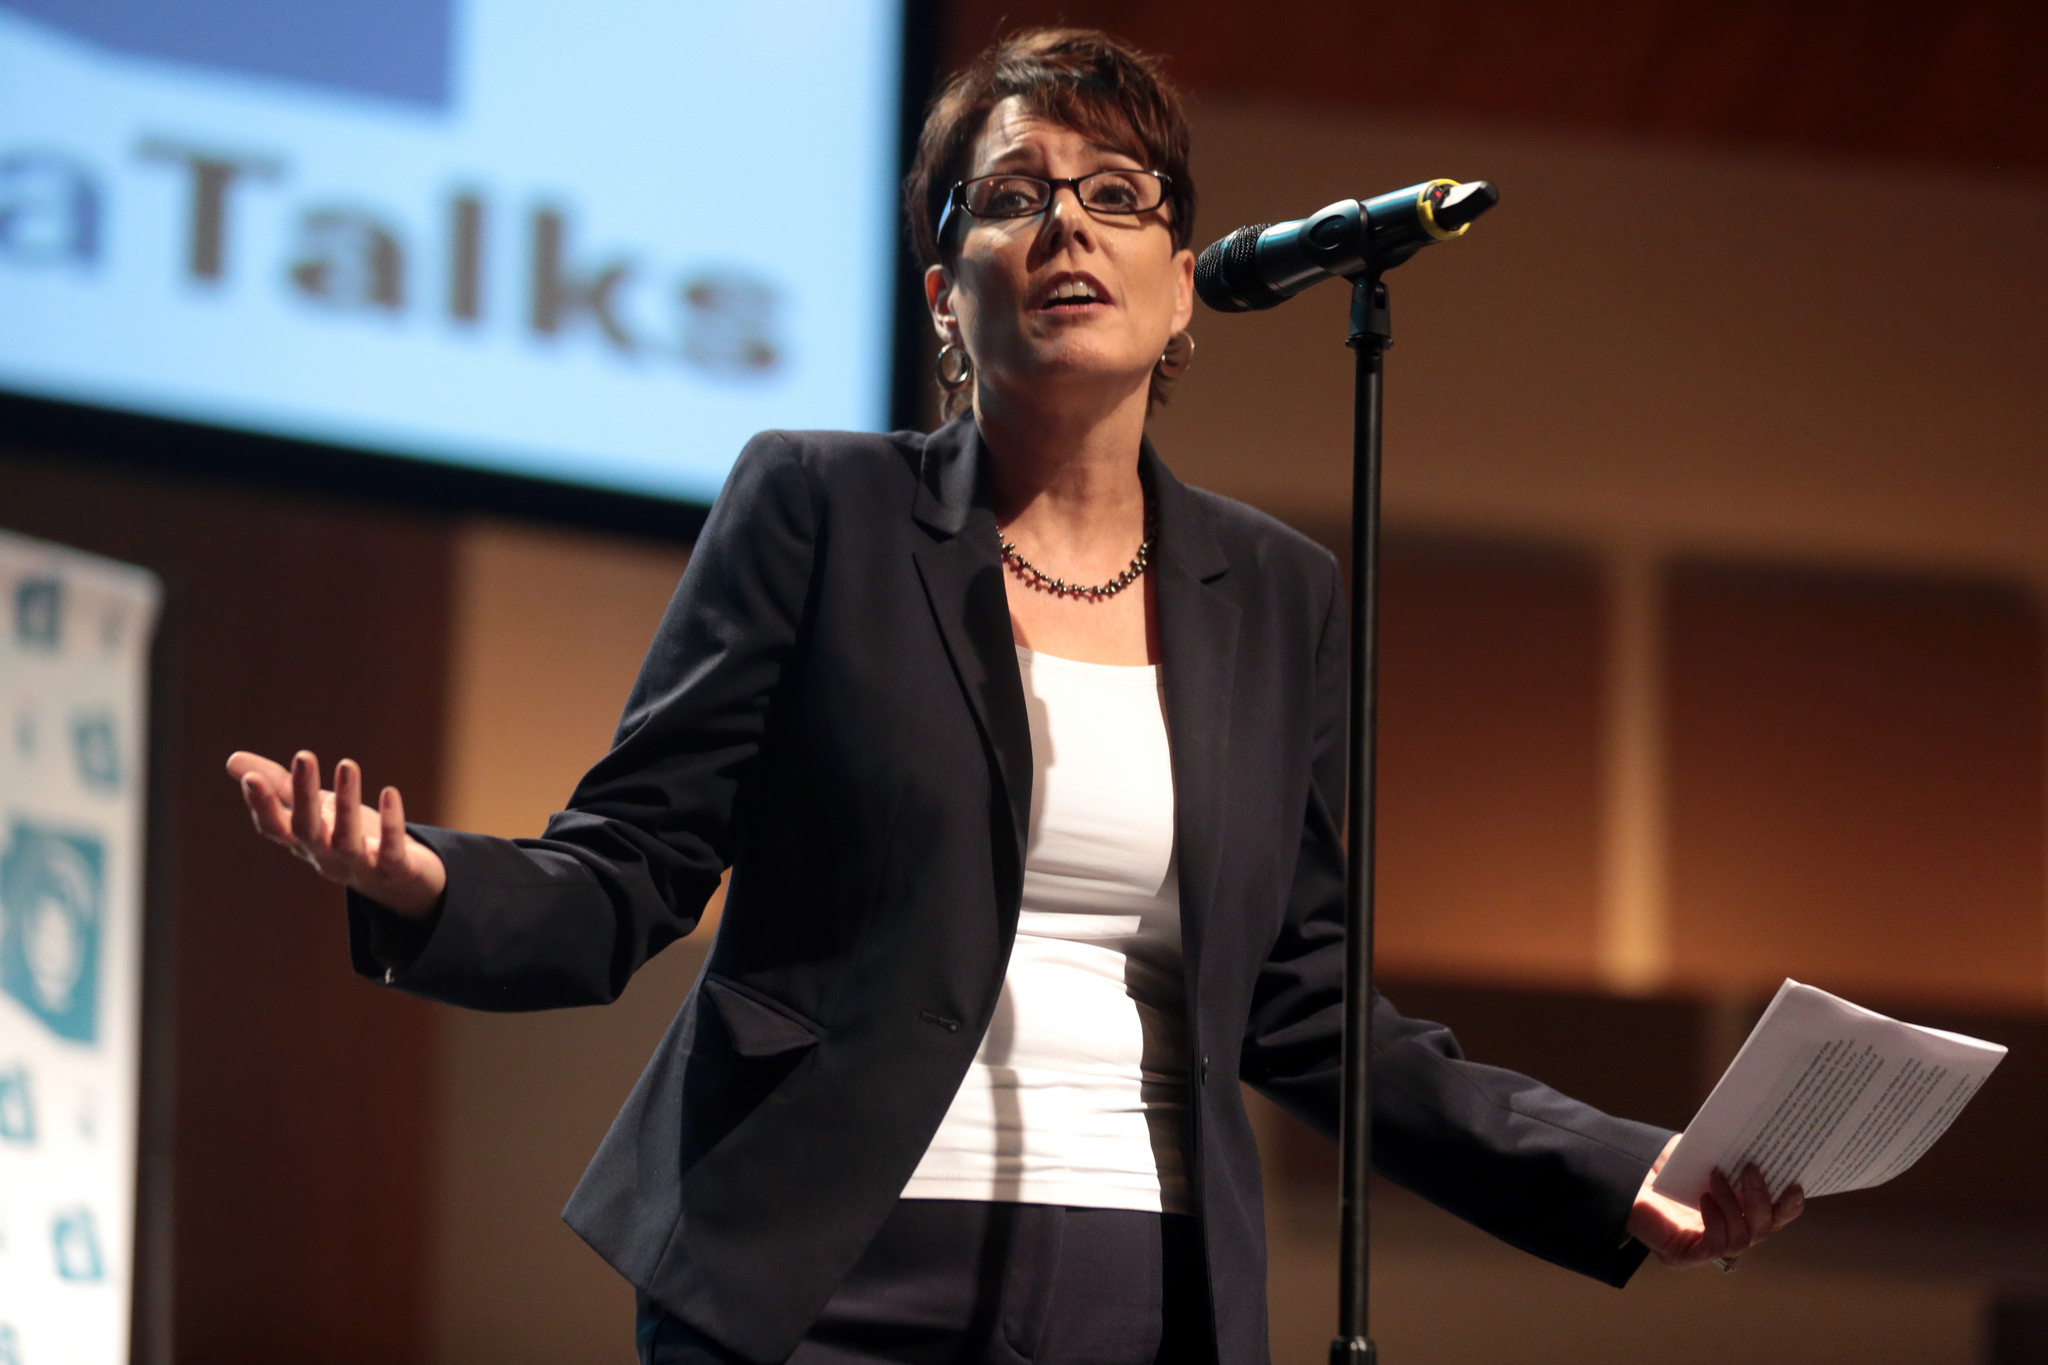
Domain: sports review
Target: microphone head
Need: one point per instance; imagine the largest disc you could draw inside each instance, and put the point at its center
(1227, 278)
(1462, 204)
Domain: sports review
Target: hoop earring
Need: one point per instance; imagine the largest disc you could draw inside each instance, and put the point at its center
(954, 367)
(1179, 354)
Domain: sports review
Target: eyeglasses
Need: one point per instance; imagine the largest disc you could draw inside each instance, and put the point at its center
(1116, 192)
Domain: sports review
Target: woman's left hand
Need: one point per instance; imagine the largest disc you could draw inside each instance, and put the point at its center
(1730, 1220)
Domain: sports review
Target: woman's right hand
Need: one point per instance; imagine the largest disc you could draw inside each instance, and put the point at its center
(371, 855)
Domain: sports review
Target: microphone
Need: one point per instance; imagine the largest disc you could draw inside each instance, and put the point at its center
(1266, 264)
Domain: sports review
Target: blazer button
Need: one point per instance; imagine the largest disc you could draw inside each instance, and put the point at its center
(1202, 1077)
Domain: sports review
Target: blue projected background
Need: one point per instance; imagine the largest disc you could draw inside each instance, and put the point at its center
(601, 244)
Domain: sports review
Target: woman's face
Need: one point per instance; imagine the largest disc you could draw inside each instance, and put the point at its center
(1011, 297)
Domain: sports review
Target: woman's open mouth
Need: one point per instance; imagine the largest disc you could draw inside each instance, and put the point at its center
(1074, 294)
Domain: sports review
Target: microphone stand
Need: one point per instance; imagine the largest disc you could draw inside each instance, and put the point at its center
(1256, 267)
(1371, 334)
(1444, 216)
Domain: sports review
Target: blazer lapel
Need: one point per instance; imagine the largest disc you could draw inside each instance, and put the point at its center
(962, 571)
(1198, 625)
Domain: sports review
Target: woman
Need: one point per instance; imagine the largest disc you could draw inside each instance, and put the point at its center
(1028, 762)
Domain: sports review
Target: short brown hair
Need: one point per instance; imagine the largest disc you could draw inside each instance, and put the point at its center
(1082, 78)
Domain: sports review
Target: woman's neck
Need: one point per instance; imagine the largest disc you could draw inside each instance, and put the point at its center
(1064, 476)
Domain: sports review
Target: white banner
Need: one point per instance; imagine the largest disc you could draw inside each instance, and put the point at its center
(75, 634)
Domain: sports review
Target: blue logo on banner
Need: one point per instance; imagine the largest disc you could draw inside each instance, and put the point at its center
(98, 755)
(10, 1348)
(397, 48)
(38, 613)
(77, 1245)
(17, 1110)
(52, 891)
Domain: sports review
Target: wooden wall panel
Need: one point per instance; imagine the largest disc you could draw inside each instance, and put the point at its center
(1490, 735)
(299, 1095)
(551, 627)
(1856, 780)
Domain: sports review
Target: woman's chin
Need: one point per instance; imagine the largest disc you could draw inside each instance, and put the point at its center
(1073, 361)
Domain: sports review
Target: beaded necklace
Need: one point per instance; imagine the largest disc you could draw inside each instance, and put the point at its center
(1059, 587)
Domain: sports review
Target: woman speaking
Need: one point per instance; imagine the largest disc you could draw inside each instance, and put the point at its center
(1028, 762)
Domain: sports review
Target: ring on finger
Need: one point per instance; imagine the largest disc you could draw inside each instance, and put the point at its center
(1725, 1264)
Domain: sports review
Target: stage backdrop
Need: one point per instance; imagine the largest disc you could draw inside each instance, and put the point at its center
(600, 243)
(75, 633)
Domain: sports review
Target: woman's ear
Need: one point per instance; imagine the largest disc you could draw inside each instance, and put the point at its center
(1183, 289)
(938, 296)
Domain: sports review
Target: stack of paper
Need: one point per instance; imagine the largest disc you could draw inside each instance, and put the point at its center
(1828, 1096)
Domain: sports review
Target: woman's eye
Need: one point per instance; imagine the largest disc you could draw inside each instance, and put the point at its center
(1114, 193)
(1005, 198)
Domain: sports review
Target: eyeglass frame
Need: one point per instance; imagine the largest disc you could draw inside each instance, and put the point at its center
(955, 199)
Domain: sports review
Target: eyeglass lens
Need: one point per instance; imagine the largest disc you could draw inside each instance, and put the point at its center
(1018, 196)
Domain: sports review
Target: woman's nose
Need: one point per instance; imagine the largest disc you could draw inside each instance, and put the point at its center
(1064, 215)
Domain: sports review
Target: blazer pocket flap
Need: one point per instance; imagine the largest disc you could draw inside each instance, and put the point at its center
(758, 1029)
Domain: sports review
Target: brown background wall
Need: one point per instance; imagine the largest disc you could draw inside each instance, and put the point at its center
(1856, 783)
(299, 1109)
(1490, 776)
(550, 627)
(1910, 81)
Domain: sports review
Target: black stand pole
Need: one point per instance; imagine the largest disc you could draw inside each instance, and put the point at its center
(1371, 334)
(1257, 267)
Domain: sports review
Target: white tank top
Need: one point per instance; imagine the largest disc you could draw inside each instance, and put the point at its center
(1079, 1093)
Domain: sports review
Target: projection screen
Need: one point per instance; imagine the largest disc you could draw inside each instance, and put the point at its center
(598, 244)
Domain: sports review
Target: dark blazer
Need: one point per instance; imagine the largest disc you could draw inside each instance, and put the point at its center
(832, 706)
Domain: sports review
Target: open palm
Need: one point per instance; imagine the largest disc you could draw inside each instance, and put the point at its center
(369, 852)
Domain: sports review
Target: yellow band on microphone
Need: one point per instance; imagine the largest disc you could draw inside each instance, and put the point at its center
(1425, 213)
